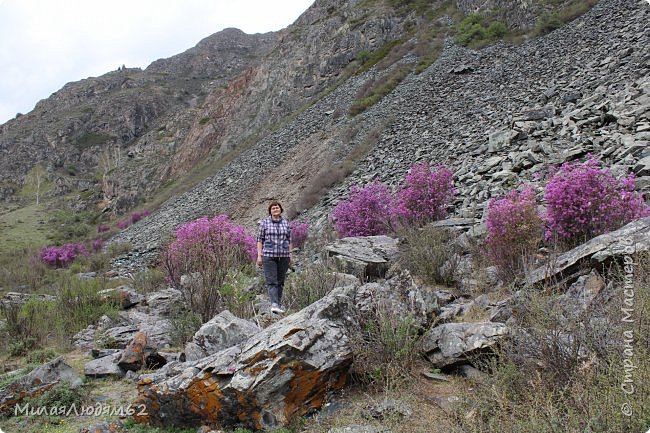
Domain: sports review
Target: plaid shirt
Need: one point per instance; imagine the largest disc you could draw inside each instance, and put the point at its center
(275, 237)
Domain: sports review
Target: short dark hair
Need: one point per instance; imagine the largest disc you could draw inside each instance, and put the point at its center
(275, 203)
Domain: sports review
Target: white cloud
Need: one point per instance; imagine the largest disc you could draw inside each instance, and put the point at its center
(45, 44)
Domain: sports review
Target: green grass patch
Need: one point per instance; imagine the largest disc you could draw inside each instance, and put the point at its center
(370, 59)
(375, 90)
(24, 227)
(477, 31)
(556, 19)
(92, 139)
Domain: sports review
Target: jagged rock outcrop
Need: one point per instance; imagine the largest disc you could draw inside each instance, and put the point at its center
(37, 382)
(150, 316)
(631, 239)
(123, 119)
(140, 353)
(283, 371)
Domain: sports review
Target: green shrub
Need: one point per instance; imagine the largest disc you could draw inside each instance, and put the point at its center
(237, 297)
(184, 323)
(310, 284)
(92, 139)
(363, 56)
(496, 30)
(149, 280)
(60, 395)
(429, 253)
(14, 272)
(119, 249)
(76, 306)
(371, 59)
(385, 348)
(41, 356)
(67, 226)
(477, 31)
(562, 371)
(547, 23)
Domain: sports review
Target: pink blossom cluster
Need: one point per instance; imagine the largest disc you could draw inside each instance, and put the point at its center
(62, 256)
(584, 200)
(299, 233)
(97, 244)
(103, 228)
(373, 210)
(514, 228)
(426, 194)
(208, 242)
(132, 219)
(367, 212)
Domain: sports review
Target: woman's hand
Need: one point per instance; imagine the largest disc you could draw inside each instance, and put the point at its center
(259, 260)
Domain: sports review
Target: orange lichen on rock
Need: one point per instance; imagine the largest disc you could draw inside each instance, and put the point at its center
(261, 356)
(133, 356)
(205, 398)
(308, 389)
(146, 398)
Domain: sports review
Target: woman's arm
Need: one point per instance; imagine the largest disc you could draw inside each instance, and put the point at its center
(259, 253)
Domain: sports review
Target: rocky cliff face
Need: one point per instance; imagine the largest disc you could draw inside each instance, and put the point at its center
(124, 119)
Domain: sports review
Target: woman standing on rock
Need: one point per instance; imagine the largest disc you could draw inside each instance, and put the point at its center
(274, 253)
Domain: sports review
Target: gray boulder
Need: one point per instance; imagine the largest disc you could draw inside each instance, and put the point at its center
(125, 296)
(453, 343)
(104, 366)
(399, 296)
(368, 257)
(222, 331)
(164, 302)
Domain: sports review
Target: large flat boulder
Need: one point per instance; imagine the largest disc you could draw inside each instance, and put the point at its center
(453, 343)
(630, 239)
(283, 371)
(367, 257)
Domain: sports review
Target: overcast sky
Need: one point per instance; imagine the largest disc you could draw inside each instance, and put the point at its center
(45, 44)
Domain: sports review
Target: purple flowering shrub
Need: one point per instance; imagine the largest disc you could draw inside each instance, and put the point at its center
(299, 233)
(426, 194)
(367, 212)
(133, 218)
(103, 228)
(207, 250)
(63, 256)
(97, 244)
(514, 229)
(584, 200)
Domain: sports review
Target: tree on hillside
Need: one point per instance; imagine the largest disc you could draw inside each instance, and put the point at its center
(35, 182)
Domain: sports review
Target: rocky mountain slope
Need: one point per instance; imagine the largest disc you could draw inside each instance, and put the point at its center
(496, 116)
(269, 115)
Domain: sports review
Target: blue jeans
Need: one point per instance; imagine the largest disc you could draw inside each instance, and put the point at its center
(275, 270)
